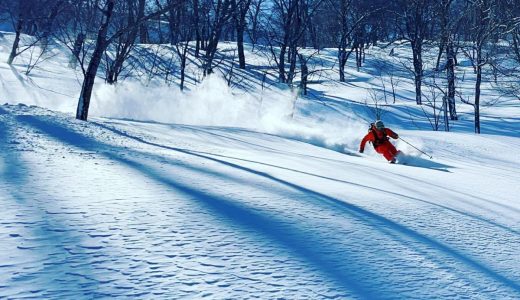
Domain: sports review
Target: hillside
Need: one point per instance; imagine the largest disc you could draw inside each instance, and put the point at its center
(231, 193)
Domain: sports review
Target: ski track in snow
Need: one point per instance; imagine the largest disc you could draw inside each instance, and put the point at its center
(126, 209)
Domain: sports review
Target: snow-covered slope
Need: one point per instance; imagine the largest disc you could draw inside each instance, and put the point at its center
(116, 208)
(250, 191)
(146, 96)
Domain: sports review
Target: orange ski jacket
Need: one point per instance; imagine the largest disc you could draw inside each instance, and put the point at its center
(377, 137)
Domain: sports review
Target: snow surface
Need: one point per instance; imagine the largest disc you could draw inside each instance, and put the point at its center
(164, 201)
(120, 208)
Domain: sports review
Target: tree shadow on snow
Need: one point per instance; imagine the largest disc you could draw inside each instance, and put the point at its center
(47, 235)
(427, 162)
(211, 131)
(269, 226)
(286, 235)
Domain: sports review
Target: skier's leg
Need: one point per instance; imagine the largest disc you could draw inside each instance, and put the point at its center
(388, 155)
(391, 152)
(383, 149)
(392, 149)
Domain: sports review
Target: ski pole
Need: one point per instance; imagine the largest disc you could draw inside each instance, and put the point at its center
(431, 157)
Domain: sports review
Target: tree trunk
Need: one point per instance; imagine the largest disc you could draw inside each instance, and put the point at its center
(516, 46)
(116, 68)
(293, 53)
(240, 42)
(90, 76)
(125, 45)
(78, 44)
(254, 26)
(211, 50)
(183, 69)
(342, 61)
(343, 56)
(48, 24)
(313, 35)
(445, 9)
(14, 49)
(439, 55)
(477, 98)
(342, 47)
(357, 58)
(223, 12)
(197, 27)
(418, 84)
(450, 70)
(305, 74)
(143, 30)
(418, 70)
(281, 64)
(445, 111)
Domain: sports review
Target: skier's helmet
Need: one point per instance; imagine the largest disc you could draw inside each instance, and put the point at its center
(379, 124)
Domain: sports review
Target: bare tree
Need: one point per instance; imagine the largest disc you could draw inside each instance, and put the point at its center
(222, 11)
(120, 50)
(255, 10)
(511, 16)
(241, 8)
(448, 25)
(443, 15)
(304, 73)
(48, 22)
(450, 75)
(413, 21)
(483, 25)
(90, 75)
(286, 28)
(376, 109)
(102, 42)
(182, 27)
(34, 18)
(350, 21)
(75, 27)
(143, 30)
(24, 10)
(436, 99)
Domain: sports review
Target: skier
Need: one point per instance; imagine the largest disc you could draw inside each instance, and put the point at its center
(378, 135)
